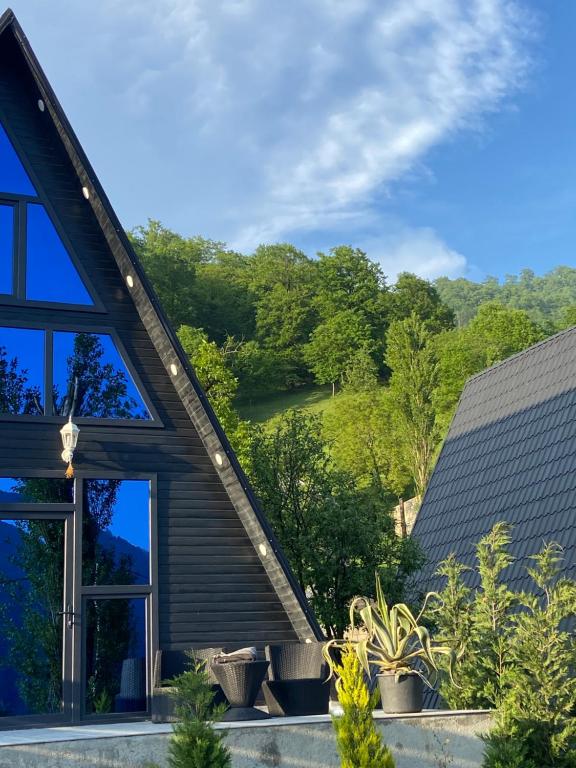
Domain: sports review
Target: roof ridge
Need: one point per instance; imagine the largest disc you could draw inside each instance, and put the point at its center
(522, 352)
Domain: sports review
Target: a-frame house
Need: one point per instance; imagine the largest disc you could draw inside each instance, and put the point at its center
(157, 541)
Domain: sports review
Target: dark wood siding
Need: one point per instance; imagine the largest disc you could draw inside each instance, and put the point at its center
(213, 588)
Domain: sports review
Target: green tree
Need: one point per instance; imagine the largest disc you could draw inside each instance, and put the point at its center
(495, 333)
(504, 331)
(540, 688)
(333, 344)
(16, 395)
(225, 304)
(544, 298)
(283, 281)
(358, 427)
(478, 625)
(171, 268)
(414, 294)
(348, 280)
(195, 743)
(359, 743)
(259, 370)
(412, 358)
(516, 653)
(335, 535)
(212, 368)
(94, 387)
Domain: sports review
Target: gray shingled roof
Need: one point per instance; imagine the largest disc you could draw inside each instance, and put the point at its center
(510, 455)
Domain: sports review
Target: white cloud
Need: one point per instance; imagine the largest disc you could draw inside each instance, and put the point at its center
(253, 120)
(420, 251)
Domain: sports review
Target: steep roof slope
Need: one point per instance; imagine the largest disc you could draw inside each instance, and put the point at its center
(14, 44)
(510, 455)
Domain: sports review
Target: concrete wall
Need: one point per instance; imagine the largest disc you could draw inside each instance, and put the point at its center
(429, 740)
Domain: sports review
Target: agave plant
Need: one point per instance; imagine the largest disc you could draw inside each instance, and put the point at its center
(394, 641)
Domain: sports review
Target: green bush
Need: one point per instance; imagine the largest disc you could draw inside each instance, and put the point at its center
(195, 743)
(515, 654)
(359, 743)
(503, 751)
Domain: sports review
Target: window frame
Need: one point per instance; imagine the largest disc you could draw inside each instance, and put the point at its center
(20, 266)
(49, 417)
(147, 592)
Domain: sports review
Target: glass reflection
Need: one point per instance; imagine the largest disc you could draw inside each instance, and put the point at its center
(6, 248)
(15, 490)
(91, 379)
(115, 669)
(50, 273)
(21, 371)
(31, 597)
(116, 532)
(13, 177)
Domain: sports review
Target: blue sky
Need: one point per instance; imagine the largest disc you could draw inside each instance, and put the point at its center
(439, 135)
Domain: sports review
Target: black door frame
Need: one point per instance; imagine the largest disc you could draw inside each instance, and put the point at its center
(75, 594)
(53, 513)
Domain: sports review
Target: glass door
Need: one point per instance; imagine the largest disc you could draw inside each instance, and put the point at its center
(35, 627)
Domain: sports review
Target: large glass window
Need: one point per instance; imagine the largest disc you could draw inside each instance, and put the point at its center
(31, 601)
(91, 379)
(115, 655)
(6, 249)
(40, 255)
(50, 273)
(116, 532)
(13, 177)
(21, 371)
(33, 490)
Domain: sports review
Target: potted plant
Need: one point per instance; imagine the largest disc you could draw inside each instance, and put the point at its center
(392, 640)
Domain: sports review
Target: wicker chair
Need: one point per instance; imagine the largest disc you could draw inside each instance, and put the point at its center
(167, 665)
(132, 696)
(297, 680)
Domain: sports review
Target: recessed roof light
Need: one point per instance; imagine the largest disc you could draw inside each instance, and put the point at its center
(219, 459)
(130, 281)
(173, 369)
(263, 550)
(86, 192)
(308, 640)
(41, 105)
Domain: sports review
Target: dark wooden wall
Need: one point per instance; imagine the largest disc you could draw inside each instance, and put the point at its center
(213, 588)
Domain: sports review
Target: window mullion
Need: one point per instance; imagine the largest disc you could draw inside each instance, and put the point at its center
(20, 252)
(49, 374)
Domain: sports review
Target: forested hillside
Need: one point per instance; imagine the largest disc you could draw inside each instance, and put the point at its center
(394, 355)
(549, 299)
(383, 366)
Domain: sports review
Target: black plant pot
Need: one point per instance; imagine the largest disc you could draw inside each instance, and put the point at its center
(401, 694)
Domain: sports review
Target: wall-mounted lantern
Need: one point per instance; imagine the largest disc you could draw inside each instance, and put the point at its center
(69, 434)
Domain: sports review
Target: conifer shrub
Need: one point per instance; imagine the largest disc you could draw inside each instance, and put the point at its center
(517, 654)
(359, 743)
(194, 742)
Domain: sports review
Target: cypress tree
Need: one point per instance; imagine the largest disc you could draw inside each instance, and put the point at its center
(359, 743)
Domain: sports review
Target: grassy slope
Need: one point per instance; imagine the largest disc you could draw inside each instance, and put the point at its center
(313, 400)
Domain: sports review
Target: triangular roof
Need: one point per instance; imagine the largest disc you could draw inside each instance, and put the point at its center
(510, 455)
(171, 353)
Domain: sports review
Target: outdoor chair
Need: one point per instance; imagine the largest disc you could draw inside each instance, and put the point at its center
(169, 664)
(297, 680)
(132, 696)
